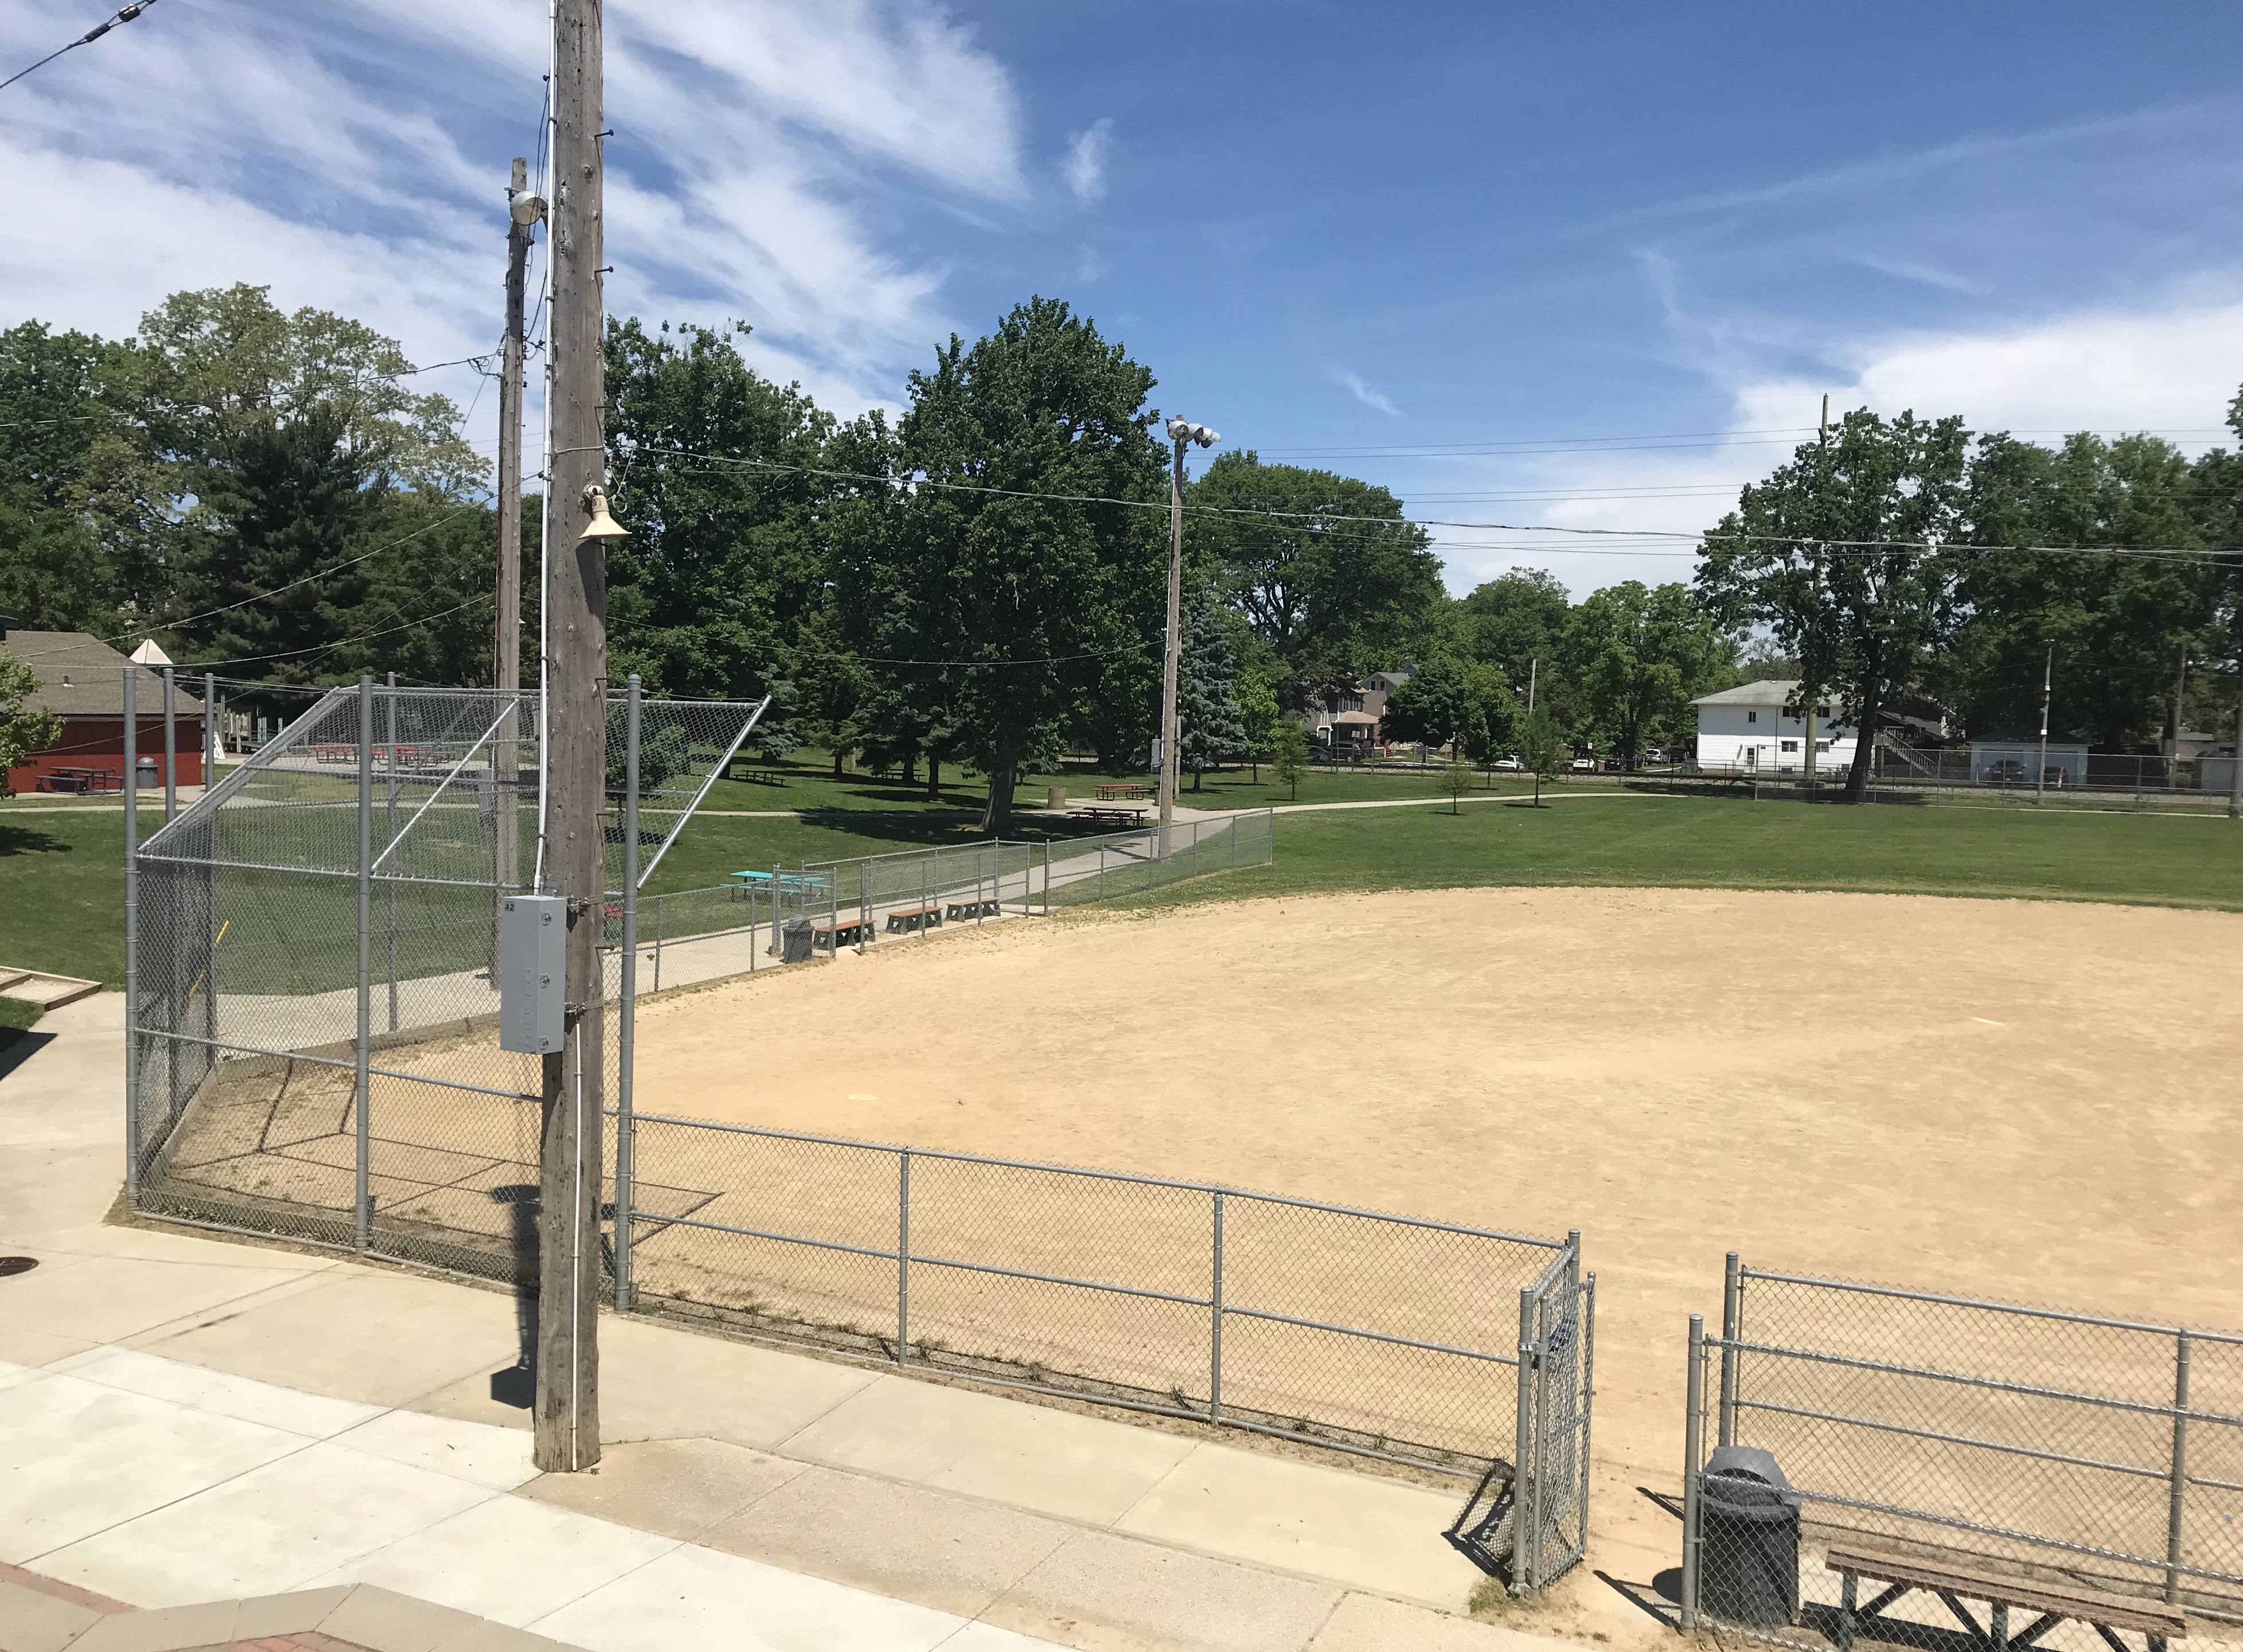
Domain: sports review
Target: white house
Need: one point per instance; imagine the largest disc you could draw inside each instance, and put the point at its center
(1753, 731)
(2012, 756)
(1352, 717)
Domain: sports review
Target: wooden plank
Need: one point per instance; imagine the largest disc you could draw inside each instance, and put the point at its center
(2119, 1611)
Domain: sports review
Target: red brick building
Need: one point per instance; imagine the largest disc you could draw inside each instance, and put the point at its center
(82, 681)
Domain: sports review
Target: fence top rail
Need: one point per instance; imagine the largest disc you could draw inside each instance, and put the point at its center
(1099, 1175)
(2023, 1309)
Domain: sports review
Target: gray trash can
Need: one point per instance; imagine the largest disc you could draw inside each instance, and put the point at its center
(145, 775)
(795, 940)
(1748, 1539)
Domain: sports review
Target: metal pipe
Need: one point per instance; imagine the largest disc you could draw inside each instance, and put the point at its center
(1522, 1453)
(2179, 1449)
(1992, 1385)
(171, 746)
(903, 1256)
(131, 938)
(1215, 1322)
(1693, 1405)
(1731, 1303)
(2018, 1309)
(210, 731)
(361, 1093)
(1585, 1318)
(626, 1132)
(390, 848)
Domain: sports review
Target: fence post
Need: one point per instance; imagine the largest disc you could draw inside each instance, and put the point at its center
(1102, 869)
(903, 1255)
(626, 1127)
(210, 731)
(659, 909)
(1047, 877)
(170, 745)
(1732, 1291)
(864, 905)
(1214, 1323)
(363, 1224)
(1522, 1479)
(777, 946)
(133, 938)
(1693, 1405)
(2179, 1470)
(389, 701)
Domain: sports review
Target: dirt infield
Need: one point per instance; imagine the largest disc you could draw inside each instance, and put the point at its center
(2027, 1101)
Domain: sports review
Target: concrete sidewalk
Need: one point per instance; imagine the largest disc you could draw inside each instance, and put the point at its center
(186, 1419)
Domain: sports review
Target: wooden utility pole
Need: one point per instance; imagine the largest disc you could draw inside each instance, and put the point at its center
(1171, 653)
(567, 1417)
(523, 211)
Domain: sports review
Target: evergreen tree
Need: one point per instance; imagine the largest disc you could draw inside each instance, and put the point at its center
(1210, 728)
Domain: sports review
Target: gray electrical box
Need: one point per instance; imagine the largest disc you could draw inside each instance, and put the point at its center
(533, 972)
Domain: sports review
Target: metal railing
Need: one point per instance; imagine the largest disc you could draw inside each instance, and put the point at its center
(2067, 1449)
(1355, 1330)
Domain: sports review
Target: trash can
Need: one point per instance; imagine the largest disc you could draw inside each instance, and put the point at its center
(1748, 1539)
(144, 775)
(795, 940)
(1054, 797)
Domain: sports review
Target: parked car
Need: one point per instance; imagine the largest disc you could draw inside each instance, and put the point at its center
(1583, 765)
(1514, 764)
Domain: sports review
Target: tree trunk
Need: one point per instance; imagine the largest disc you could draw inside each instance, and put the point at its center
(934, 778)
(911, 769)
(1196, 775)
(836, 764)
(999, 815)
(1865, 741)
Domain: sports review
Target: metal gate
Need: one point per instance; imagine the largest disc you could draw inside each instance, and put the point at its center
(1535, 1528)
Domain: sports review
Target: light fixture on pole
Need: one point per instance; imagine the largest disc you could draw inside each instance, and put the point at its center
(602, 526)
(1183, 434)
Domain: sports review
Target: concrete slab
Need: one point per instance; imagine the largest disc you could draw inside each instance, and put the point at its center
(32, 1622)
(507, 1558)
(1383, 1535)
(270, 1530)
(498, 1458)
(207, 1623)
(679, 1489)
(381, 1338)
(312, 1415)
(988, 1637)
(292, 1614)
(1106, 1594)
(1365, 1623)
(954, 1554)
(77, 1458)
(386, 1621)
(1031, 1457)
(723, 1603)
(106, 1298)
(28, 1347)
(663, 1383)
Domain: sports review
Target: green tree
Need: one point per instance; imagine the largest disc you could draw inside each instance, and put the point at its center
(1842, 555)
(1024, 573)
(1456, 780)
(1259, 712)
(1330, 576)
(1433, 705)
(22, 732)
(1289, 757)
(1210, 728)
(1544, 748)
(1518, 621)
(1638, 655)
(833, 690)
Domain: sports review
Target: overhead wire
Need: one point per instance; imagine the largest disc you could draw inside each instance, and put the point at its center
(124, 15)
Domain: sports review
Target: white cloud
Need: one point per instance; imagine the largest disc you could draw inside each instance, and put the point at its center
(356, 160)
(1376, 400)
(1084, 168)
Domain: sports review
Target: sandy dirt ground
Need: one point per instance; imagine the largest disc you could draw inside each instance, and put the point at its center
(2033, 1102)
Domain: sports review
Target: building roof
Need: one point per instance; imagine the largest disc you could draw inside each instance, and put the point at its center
(82, 677)
(1769, 691)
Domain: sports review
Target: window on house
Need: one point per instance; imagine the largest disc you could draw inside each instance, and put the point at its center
(1752, 716)
(1821, 745)
(1791, 745)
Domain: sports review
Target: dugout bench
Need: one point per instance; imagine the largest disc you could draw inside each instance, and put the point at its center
(2105, 1613)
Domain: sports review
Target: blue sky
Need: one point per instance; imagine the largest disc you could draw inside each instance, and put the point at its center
(1538, 265)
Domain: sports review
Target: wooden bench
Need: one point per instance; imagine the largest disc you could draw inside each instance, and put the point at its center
(910, 920)
(1123, 789)
(841, 932)
(967, 911)
(1112, 816)
(2107, 1613)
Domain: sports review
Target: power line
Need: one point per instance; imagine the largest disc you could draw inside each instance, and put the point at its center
(126, 15)
(321, 650)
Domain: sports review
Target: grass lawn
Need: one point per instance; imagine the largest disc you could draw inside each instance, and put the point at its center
(1736, 843)
(17, 1019)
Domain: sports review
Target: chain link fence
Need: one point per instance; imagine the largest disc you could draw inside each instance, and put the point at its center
(1875, 1458)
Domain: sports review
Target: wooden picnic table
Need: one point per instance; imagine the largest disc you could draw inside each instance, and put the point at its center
(1112, 789)
(1111, 815)
(80, 780)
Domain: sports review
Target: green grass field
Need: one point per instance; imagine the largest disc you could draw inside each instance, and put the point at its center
(17, 1019)
(62, 877)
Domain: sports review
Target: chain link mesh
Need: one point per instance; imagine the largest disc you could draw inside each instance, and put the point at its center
(2037, 1448)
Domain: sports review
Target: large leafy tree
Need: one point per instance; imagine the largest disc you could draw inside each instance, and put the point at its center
(1517, 620)
(2117, 624)
(1842, 553)
(1210, 725)
(22, 732)
(1333, 579)
(1037, 572)
(1638, 654)
(716, 474)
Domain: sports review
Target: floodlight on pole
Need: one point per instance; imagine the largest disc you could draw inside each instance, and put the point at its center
(1183, 434)
(602, 524)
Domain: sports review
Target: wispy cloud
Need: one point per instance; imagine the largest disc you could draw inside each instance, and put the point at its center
(1084, 168)
(1375, 399)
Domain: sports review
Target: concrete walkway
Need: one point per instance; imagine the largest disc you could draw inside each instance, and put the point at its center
(184, 1419)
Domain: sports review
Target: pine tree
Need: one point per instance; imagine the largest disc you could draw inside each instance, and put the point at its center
(1210, 728)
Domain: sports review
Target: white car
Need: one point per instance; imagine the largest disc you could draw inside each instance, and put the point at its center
(1511, 765)
(1583, 765)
